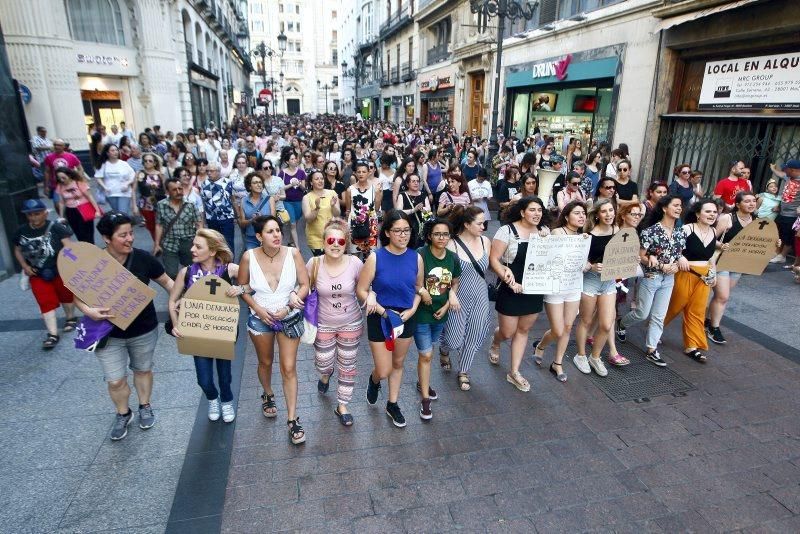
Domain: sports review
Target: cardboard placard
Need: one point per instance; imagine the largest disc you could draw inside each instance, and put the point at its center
(554, 264)
(621, 258)
(208, 320)
(101, 281)
(752, 248)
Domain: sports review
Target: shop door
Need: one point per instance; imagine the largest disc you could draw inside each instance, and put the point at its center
(709, 144)
(476, 103)
(103, 107)
(293, 106)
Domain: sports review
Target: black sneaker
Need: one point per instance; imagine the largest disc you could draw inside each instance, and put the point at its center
(655, 358)
(372, 390)
(715, 335)
(393, 411)
(622, 334)
(425, 410)
(431, 393)
(120, 428)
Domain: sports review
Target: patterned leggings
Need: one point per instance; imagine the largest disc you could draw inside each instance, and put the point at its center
(339, 345)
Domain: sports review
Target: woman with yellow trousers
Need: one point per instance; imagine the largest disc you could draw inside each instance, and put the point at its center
(695, 277)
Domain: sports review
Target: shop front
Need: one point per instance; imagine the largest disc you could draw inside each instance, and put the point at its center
(104, 81)
(408, 108)
(437, 96)
(397, 103)
(570, 96)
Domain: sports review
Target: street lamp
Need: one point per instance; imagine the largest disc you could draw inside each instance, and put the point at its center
(503, 10)
(359, 71)
(264, 51)
(326, 87)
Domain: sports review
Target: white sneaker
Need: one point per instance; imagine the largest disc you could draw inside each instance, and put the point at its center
(213, 410)
(228, 413)
(780, 258)
(582, 363)
(598, 366)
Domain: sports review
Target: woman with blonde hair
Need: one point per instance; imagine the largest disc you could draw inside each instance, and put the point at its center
(334, 275)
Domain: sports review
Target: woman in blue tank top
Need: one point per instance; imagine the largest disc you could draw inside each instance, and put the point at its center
(390, 283)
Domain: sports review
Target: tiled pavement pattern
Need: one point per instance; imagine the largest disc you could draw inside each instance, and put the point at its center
(563, 457)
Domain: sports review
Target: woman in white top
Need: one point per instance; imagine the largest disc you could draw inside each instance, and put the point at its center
(115, 177)
(225, 164)
(278, 280)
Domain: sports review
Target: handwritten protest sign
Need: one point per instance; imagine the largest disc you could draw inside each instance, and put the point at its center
(208, 320)
(554, 264)
(101, 281)
(621, 257)
(752, 248)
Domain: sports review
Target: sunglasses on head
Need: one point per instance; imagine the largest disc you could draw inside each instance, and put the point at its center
(339, 240)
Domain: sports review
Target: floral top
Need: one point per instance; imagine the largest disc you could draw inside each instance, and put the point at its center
(656, 242)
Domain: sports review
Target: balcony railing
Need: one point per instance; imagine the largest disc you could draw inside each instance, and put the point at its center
(550, 11)
(396, 75)
(438, 53)
(385, 80)
(396, 21)
(407, 73)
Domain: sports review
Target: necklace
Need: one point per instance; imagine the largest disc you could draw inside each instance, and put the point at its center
(271, 258)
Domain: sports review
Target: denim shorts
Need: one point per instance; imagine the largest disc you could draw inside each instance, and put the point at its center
(425, 335)
(135, 353)
(593, 287)
(295, 209)
(257, 327)
(734, 276)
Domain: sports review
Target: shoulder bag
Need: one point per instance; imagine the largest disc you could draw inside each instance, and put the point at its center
(86, 209)
(171, 223)
(491, 287)
(311, 308)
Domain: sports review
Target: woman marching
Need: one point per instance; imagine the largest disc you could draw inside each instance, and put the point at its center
(696, 277)
(150, 190)
(210, 255)
(320, 205)
(74, 200)
(256, 203)
(466, 329)
(661, 248)
(390, 283)
(516, 312)
(441, 272)
(362, 201)
(598, 297)
(414, 203)
(562, 308)
(279, 281)
(335, 276)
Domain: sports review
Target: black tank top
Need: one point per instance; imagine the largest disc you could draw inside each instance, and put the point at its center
(736, 227)
(598, 247)
(695, 250)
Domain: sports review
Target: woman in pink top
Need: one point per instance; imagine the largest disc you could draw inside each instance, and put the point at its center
(340, 318)
(457, 193)
(75, 203)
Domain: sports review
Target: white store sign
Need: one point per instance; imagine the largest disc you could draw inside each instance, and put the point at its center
(764, 82)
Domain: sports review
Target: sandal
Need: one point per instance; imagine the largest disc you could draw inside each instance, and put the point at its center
(494, 355)
(50, 342)
(537, 357)
(296, 433)
(618, 359)
(444, 361)
(463, 381)
(322, 387)
(697, 356)
(345, 418)
(70, 324)
(560, 375)
(519, 381)
(269, 404)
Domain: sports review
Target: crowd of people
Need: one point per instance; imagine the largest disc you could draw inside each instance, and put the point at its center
(394, 218)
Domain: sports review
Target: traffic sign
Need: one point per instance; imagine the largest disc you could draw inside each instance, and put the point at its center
(265, 96)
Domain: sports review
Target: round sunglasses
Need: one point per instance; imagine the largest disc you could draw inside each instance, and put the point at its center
(340, 240)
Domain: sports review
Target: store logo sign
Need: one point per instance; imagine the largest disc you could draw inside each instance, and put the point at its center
(92, 59)
(433, 84)
(553, 68)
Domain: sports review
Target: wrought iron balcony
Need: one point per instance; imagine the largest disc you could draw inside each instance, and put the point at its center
(385, 80)
(438, 53)
(396, 22)
(396, 75)
(407, 73)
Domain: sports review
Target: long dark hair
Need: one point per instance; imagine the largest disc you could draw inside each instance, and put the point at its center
(514, 211)
(104, 152)
(697, 207)
(563, 216)
(391, 217)
(658, 210)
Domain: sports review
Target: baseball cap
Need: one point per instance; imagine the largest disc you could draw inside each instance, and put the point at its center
(32, 205)
(792, 164)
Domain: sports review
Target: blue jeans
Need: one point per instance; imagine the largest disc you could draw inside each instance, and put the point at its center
(652, 301)
(225, 227)
(122, 204)
(425, 335)
(204, 367)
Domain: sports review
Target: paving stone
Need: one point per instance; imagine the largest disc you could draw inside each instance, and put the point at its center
(35, 501)
(789, 497)
(427, 519)
(378, 524)
(689, 521)
(744, 512)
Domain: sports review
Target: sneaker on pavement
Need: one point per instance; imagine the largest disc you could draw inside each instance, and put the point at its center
(425, 409)
(597, 365)
(393, 411)
(228, 412)
(213, 410)
(715, 335)
(655, 358)
(780, 258)
(622, 334)
(120, 428)
(582, 363)
(372, 390)
(431, 393)
(146, 417)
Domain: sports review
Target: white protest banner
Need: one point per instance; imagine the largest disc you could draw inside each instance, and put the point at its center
(554, 264)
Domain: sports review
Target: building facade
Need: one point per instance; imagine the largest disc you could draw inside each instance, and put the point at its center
(399, 61)
(436, 81)
(108, 61)
(360, 57)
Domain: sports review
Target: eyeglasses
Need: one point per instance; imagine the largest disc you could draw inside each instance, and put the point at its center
(401, 231)
(340, 240)
(440, 235)
(637, 215)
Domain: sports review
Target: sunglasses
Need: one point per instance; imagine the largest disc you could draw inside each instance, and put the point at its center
(609, 187)
(686, 172)
(575, 183)
(623, 169)
(340, 240)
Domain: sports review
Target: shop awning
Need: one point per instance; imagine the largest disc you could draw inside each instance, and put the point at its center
(694, 15)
